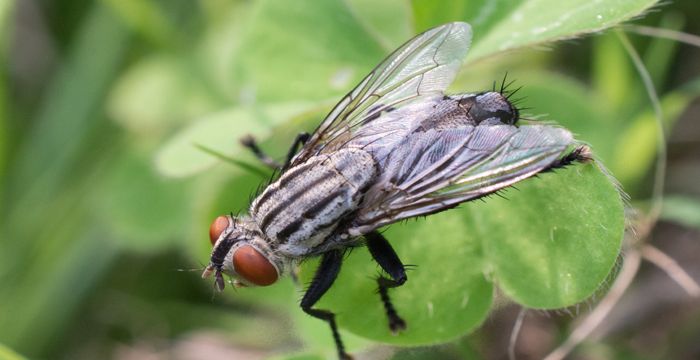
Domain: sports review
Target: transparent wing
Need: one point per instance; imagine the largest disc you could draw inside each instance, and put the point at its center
(425, 65)
(442, 168)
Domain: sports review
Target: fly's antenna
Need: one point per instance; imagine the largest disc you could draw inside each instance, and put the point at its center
(191, 270)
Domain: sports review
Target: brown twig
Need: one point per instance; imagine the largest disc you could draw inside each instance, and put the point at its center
(679, 36)
(671, 268)
(514, 334)
(601, 311)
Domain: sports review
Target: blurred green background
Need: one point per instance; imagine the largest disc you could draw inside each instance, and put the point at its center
(106, 198)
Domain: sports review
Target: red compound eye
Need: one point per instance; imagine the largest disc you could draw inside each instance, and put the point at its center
(253, 266)
(217, 227)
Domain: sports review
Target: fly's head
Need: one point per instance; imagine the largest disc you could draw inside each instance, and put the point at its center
(489, 108)
(240, 251)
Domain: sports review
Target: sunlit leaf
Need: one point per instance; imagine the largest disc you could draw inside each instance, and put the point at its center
(388, 21)
(552, 243)
(304, 49)
(531, 22)
(7, 354)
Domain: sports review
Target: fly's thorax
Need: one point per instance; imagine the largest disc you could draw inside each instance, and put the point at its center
(488, 108)
(242, 251)
(305, 205)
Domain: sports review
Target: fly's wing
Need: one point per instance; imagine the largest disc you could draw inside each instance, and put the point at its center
(439, 169)
(423, 66)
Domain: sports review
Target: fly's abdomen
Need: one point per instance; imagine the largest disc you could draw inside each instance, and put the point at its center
(300, 209)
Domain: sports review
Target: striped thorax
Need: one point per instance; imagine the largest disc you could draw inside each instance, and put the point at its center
(291, 217)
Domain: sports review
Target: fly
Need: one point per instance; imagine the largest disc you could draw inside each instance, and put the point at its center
(395, 147)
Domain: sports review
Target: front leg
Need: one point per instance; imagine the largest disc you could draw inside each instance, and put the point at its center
(325, 275)
(252, 145)
(386, 257)
(250, 142)
(300, 140)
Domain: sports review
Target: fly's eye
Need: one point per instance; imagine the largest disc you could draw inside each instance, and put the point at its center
(217, 227)
(254, 266)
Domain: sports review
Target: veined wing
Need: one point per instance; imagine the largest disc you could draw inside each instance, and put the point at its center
(425, 65)
(441, 168)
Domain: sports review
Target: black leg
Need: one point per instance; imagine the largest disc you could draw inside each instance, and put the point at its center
(301, 139)
(386, 257)
(580, 154)
(250, 143)
(323, 279)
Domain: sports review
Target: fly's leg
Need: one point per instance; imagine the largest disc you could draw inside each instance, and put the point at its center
(300, 140)
(323, 279)
(386, 257)
(250, 142)
(580, 154)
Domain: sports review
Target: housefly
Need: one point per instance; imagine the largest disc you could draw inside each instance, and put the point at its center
(395, 147)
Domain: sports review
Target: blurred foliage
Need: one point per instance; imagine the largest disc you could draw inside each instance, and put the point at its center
(107, 108)
(682, 210)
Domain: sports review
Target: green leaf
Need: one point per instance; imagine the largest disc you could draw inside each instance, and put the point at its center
(446, 296)
(482, 15)
(553, 242)
(8, 354)
(532, 22)
(318, 48)
(305, 49)
(388, 21)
